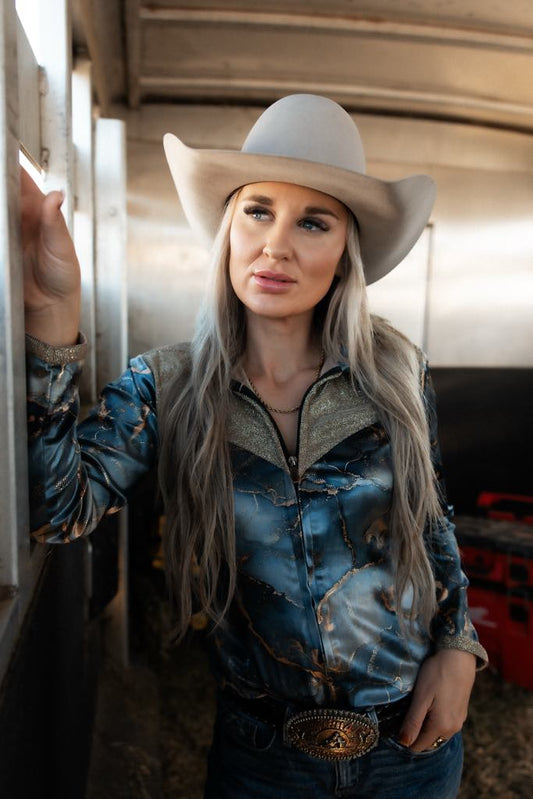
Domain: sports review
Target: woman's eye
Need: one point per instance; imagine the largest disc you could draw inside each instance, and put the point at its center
(256, 213)
(313, 224)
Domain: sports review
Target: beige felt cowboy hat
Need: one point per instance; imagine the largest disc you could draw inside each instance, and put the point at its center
(313, 142)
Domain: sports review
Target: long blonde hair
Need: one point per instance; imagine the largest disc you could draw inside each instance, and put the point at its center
(195, 469)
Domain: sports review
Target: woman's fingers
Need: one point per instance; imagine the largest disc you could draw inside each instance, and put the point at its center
(434, 728)
(56, 241)
(31, 199)
(51, 268)
(440, 699)
(50, 262)
(42, 222)
(414, 718)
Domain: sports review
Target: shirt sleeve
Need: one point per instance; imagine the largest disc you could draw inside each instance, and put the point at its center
(80, 472)
(452, 626)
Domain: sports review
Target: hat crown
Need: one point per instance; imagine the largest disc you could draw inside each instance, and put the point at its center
(311, 128)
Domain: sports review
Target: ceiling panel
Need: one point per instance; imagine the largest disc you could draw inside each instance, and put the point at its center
(500, 15)
(461, 59)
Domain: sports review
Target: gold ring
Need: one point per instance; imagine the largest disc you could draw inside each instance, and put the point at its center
(438, 742)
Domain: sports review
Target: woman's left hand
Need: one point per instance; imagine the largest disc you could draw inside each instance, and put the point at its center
(439, 705)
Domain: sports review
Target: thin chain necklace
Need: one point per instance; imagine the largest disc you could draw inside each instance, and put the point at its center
(285, 410)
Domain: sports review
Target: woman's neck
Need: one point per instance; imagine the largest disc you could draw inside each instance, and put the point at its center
(277, 349)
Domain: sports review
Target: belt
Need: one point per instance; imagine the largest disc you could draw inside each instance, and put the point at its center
(325, 733)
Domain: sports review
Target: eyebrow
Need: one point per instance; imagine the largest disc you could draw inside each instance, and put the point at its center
(316, 209)
(259, 198)
(310, 209)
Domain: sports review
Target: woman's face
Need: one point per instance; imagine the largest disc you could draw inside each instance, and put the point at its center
(286, 242)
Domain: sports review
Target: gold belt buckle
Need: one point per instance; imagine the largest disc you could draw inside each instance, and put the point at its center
(332, 734)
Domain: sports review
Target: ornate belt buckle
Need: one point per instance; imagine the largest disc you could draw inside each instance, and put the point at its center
(332, 734)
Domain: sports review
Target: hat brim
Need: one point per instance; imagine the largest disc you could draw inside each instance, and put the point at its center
(391, 215)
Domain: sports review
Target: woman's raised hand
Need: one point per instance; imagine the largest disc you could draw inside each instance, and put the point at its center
(51, 268)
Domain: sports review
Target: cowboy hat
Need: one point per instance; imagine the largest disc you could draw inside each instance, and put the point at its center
(313, 142)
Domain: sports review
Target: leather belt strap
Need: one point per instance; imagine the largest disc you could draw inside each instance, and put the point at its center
(326, 733)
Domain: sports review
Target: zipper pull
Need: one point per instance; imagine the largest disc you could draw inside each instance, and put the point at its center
(293, 467)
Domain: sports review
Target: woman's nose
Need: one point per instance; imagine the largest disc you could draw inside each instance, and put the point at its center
(276, 253)
(278, 246)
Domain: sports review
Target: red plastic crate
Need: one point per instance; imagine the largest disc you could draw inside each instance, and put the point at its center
(506, 507)
(498, 560)
(505, 627)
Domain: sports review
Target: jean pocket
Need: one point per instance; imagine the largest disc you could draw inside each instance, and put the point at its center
(246, 730)
(427, 753)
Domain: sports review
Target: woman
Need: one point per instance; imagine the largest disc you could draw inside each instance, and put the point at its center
(296, 439)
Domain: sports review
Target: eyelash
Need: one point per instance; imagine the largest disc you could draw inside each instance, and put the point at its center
(317, 224)
(254, 209)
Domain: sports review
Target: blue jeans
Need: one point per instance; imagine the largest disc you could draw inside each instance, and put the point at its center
(248, 760)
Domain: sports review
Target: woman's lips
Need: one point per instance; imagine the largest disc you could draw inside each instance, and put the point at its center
(273, 281)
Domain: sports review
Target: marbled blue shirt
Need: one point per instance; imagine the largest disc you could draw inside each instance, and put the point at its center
(314, 618)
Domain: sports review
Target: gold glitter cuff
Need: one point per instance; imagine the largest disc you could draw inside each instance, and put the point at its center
(57, 356)
(466, 644)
